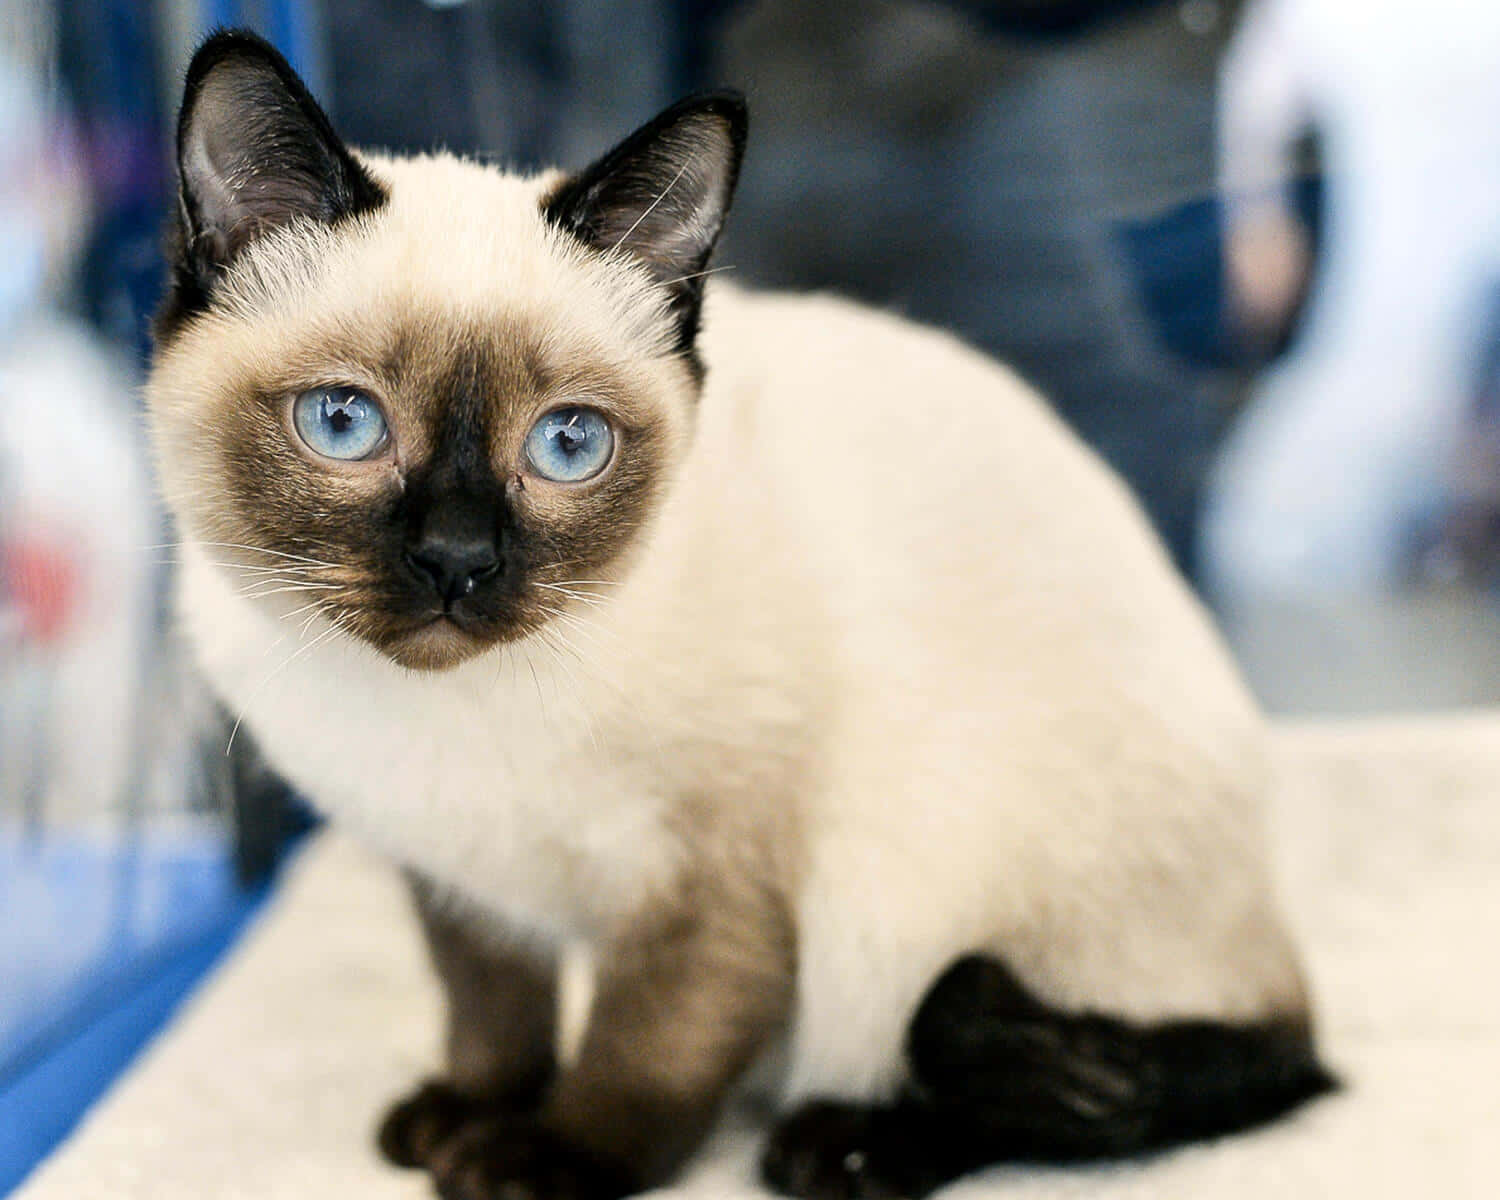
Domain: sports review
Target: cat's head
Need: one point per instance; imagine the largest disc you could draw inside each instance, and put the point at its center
(440, 393)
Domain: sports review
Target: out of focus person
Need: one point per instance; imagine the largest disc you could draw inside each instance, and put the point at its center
(1346, 452)
(1333, 535)
(1035, 175)
(1465, 543)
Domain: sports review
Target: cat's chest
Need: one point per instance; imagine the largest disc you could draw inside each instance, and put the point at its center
(487, 780)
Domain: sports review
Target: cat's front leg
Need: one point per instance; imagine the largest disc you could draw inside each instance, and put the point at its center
(501, 998)
(684, 1001)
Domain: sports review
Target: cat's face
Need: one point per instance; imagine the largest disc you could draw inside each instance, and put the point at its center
(421, 399)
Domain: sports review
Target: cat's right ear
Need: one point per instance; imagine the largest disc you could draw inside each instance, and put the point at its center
(660, 197)
(254, 152)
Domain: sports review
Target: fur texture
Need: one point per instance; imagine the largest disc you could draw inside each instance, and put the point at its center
(853, 664)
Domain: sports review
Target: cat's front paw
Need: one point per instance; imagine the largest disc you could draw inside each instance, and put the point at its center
(832, 1151)
(518, 1158)
(417, 1125)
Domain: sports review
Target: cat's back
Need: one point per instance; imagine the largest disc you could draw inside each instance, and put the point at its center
(870, 410)
(932, 485)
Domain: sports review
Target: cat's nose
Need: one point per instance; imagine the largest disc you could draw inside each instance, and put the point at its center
(454, 567)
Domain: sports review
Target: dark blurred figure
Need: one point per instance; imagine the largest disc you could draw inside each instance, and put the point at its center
(1463, 544)
(1036, 176)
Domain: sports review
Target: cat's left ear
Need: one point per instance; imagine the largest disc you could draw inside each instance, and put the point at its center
(661, 196)
(255, 152)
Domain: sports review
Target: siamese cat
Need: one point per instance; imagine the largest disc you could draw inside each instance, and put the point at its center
(788, 657)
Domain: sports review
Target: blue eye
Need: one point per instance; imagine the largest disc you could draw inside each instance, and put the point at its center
(339, 422)
(570, 445)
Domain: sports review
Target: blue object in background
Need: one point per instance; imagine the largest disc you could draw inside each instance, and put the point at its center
(1176, 263)
(103, 939)
(108, 52)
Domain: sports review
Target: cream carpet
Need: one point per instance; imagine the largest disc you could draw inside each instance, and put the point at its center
(269, 1083)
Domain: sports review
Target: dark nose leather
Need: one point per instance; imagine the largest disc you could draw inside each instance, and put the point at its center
(454, 567)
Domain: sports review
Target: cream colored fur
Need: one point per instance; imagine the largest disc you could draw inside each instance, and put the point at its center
(889, 609)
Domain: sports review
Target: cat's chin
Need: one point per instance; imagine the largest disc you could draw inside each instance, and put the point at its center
(439, 645)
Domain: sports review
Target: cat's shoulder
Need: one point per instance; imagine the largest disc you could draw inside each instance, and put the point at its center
(819, 352)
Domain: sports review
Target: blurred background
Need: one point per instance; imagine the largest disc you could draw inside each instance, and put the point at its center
(1250, 249)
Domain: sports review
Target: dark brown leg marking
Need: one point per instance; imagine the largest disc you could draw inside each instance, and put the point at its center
(682, 1005)
(998, 1076)
(520, 1158)
(415, 1127)
(501, 1017)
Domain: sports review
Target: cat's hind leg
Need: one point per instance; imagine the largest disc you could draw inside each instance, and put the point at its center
(849, 1150)
(996, 1075)
(1026, 1081)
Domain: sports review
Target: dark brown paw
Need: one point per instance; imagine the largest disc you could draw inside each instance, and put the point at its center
(517, 1158)
(415, 1127)
(832, 1151)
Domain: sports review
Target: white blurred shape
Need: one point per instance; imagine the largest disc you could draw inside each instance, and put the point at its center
(74, 484)
(75, 509)
(1345, 446)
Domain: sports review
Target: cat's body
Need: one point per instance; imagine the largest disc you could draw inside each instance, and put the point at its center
(878, 651)
(883, 670)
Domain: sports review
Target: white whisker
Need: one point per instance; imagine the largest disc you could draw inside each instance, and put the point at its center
(582, 597)
(695, 275)
(250, 574)
(578, 696)
(540, 699)
(567, 645)
(599, 676)
(301, 558)
(267, 590)
(311, 618)
(335, 626)
(297, 612)
(664, 193)
(584, 627)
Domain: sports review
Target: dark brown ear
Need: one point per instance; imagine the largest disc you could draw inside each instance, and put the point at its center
(661, 196)
(254, 152)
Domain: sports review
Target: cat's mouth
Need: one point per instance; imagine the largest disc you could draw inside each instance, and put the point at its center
(439, 643)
